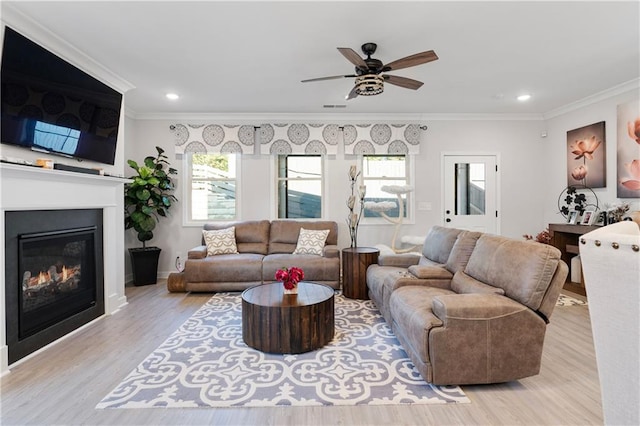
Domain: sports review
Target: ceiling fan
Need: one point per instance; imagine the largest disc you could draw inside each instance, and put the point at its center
(369, 77)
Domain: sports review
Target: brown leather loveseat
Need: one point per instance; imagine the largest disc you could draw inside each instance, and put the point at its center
(263, 247)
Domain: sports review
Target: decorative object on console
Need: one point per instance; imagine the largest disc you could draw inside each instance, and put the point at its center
(628, 131)
(571, 199)
(582, 145)
(290, 278)
(353, 220)
(616, 211)
(383, 206)
(146, 198)
(542, 237)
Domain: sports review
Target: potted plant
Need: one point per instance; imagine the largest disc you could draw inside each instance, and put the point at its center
(146, 199)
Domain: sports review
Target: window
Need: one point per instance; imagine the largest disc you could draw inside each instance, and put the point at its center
(385, 170)
(299, 186)
(212, 187)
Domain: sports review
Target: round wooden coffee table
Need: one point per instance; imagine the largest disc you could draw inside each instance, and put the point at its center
(280, 323)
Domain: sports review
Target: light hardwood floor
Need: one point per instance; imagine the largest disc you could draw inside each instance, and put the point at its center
(63, 384)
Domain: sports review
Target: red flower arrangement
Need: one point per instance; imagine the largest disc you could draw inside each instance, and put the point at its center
(290, 277)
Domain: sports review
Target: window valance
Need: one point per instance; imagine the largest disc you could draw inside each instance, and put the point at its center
(280, 139)
(214, 138)
(382, 139)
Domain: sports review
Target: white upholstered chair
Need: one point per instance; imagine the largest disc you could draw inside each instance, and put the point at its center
(611, 267)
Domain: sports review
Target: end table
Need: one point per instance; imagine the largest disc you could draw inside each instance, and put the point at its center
(355, 261)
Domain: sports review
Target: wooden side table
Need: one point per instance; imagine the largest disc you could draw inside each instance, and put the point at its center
(355, 261)
(280, 323)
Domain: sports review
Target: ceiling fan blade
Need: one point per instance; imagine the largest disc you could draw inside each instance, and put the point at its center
(407, 83)
(352, 94)
(411, 61)
(353, 57)
(333, 77)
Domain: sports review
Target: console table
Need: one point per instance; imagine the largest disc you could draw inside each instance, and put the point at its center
(565, 237)
(355, 261)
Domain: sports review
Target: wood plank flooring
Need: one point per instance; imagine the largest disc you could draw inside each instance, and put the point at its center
(62, 384)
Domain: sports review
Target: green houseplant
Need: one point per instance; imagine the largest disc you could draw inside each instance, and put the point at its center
(147, 198)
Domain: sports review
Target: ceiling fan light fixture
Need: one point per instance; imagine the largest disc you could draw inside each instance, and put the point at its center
(369, 85)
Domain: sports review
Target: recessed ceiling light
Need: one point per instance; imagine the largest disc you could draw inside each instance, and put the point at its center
(172, 96)
(523, 98)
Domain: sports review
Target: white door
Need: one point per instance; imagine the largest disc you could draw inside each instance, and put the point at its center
(470, 192)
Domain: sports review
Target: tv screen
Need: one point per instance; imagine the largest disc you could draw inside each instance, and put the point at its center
(50, 105)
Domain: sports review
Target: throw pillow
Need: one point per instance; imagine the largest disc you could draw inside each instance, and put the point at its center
(220, 241)
(311, 241)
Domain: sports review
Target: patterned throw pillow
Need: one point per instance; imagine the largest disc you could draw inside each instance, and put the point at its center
(311, 242)
(221, 241)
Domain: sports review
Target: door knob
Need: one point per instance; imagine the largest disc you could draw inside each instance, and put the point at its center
(447, 220)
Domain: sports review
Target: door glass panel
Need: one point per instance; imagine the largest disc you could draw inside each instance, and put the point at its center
(470, 189)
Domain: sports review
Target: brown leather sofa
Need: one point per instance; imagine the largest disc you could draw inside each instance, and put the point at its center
(486, 324)
(263, 248)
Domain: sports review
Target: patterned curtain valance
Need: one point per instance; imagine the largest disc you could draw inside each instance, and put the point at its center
(382, 139)
(214, 138)
(280, 139)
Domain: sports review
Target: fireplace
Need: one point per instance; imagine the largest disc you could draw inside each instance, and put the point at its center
(53, 277)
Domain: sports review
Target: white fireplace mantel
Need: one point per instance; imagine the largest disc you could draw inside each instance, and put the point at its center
(25, 187)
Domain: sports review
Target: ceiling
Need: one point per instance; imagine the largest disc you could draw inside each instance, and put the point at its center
(249, 57)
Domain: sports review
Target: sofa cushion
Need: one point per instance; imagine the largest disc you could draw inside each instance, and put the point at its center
(522, 269)
(220, 241)
(316, 268)
(464, 284)
(283, 237)
(225, 268)
(439, 242)
(252, 236)
(461, 251)
(311, 241)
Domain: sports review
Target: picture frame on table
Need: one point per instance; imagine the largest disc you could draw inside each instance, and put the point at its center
(588, 217)
(601, 219)
(572, 219)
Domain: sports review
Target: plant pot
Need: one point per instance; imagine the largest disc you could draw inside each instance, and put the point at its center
(144, 264)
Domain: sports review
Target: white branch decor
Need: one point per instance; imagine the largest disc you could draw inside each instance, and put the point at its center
(353, 219)
(383, 206)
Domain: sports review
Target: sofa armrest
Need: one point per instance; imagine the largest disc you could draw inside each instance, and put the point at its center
(399, 260)
(430, 272)
(199, 252)
(331, 251)
(475, 306)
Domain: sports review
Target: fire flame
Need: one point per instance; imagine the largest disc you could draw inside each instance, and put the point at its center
(43, 277)
(64, 274)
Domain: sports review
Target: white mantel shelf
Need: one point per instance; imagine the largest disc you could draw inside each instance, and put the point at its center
(34, 172)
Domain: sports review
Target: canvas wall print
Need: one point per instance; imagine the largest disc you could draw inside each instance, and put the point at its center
(586, 156)
(628, 171)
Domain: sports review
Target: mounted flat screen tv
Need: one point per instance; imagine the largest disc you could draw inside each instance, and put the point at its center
(52, 106)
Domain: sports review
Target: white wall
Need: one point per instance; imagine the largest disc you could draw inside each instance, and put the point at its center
(556, 149)
(518, 144)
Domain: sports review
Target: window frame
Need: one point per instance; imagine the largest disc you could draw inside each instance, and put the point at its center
(276, 180)
(187, 192)
(409, 177)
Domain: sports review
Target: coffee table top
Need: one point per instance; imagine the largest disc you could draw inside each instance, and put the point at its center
(272, 294)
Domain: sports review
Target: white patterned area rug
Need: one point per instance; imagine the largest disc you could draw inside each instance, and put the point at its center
(564, 300)
(205, 363)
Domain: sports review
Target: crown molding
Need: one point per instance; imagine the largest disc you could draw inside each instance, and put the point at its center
(596, 97)
(329, 117)
(22, 23)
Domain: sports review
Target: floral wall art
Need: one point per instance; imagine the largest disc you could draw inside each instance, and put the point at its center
(628, 180)
(586, 158)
